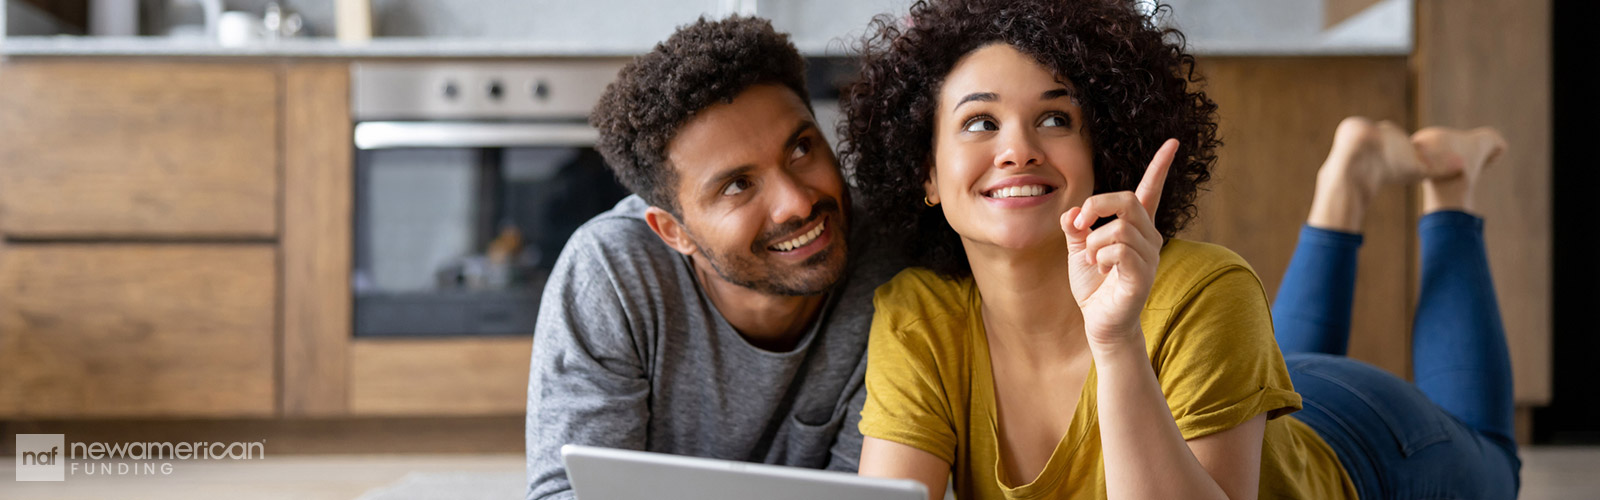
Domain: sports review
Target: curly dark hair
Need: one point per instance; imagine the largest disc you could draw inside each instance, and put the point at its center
(1131, 78)
(700, 65)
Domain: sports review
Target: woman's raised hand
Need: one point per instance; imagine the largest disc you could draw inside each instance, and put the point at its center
(1114, 265)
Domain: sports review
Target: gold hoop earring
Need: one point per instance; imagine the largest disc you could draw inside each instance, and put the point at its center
(926, 201)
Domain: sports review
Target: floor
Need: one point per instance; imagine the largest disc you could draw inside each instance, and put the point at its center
(1548, 473)
(308, 477)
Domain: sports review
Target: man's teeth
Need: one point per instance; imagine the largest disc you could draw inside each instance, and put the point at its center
(1018, 192)
(801, 241)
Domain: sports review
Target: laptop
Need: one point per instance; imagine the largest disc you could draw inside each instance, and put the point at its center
(611, 474)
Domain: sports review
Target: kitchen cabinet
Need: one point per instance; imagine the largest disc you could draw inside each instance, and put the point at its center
(118, 149)
(137, 330)
(439, 377)
(175, 242)
(138, 200)
(1277, 119)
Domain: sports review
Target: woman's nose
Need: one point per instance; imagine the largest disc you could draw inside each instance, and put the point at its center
(1017, 149)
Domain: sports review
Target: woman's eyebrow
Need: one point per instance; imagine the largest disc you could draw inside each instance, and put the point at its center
(1055, 94)
(977, 96)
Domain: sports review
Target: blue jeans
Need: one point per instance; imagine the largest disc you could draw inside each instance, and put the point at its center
(1447, 436)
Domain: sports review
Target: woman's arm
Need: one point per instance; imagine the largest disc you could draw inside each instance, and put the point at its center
(883, 458)
(1146, 456)
(1113, 268)
(1233, 457)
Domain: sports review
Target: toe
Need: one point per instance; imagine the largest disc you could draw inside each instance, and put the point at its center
(1489, 142)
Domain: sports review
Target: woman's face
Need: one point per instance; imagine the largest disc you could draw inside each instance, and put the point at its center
(1010, 150)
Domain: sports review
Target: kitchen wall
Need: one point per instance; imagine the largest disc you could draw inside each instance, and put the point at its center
(814, 24)
(1313, 26)
(1377, 27)
(830, 25)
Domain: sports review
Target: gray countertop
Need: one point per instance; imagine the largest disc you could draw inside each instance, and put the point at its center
(490, 48)
(306, 47)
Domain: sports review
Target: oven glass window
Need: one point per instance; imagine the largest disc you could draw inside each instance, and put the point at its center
(460, 241)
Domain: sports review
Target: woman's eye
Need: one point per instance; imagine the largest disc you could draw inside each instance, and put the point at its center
(1055, 121)
(800, 149)
(982, 124)
(736, 187)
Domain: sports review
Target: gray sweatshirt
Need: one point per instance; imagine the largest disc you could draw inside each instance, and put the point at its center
(630, 353)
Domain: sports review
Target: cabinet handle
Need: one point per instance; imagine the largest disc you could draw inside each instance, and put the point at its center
(436, 134)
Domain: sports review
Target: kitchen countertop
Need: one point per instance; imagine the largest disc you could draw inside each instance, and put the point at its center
(305, 47)
(489, 48)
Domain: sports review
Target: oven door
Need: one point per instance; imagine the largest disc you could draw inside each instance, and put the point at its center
(458, 223)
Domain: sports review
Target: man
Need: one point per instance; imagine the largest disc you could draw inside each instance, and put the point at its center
(722, 311)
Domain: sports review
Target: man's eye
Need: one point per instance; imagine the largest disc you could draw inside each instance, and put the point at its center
(982, 124)
(736, 187)
(1055, 121)
(800, 150)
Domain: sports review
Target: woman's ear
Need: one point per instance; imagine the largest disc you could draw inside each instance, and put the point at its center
(670, 230)
(930, 187)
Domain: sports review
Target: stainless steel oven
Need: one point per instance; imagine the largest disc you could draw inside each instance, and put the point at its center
(469, 180)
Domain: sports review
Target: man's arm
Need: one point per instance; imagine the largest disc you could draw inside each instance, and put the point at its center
(588, 382)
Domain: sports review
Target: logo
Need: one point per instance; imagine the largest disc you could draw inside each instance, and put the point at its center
(41, 457)
(48, 457)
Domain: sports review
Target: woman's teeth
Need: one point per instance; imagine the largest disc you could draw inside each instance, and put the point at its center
(802, 240)
(1018, 192)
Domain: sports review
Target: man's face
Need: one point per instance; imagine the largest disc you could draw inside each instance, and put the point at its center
(760, 192)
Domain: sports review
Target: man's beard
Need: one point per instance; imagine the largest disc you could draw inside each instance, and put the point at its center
(815, 275)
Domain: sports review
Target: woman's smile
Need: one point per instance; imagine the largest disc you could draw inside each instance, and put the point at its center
(1019, 192)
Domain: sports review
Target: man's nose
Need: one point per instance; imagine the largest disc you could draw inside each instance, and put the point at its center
(793, 200)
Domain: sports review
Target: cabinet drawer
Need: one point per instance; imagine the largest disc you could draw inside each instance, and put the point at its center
(138, 149)
(439, 377)
(127, 330)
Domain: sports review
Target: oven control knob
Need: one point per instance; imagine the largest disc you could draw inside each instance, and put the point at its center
(541, 91)
(495, 90)
(451, 91)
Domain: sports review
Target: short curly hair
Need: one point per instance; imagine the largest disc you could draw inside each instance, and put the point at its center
(700, 65)
(1132, 79)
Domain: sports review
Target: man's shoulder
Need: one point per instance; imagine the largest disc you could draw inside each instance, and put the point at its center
(873, 261)
(623, 222)
(871, 264)
(614, 280)
(618, 237)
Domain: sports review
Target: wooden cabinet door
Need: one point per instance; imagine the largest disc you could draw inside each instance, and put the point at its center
(1277, 116)
(137, 330)
(439, 377)
(97, 148)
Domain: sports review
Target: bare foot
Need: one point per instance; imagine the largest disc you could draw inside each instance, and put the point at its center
(1466, 153)
(1366, 156)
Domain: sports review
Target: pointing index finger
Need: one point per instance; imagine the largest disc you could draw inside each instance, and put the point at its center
(1155, 177)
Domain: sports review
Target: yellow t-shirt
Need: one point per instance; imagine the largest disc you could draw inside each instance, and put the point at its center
(1209, 334)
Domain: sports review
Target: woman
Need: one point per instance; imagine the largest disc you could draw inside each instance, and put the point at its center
(1058, 342)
